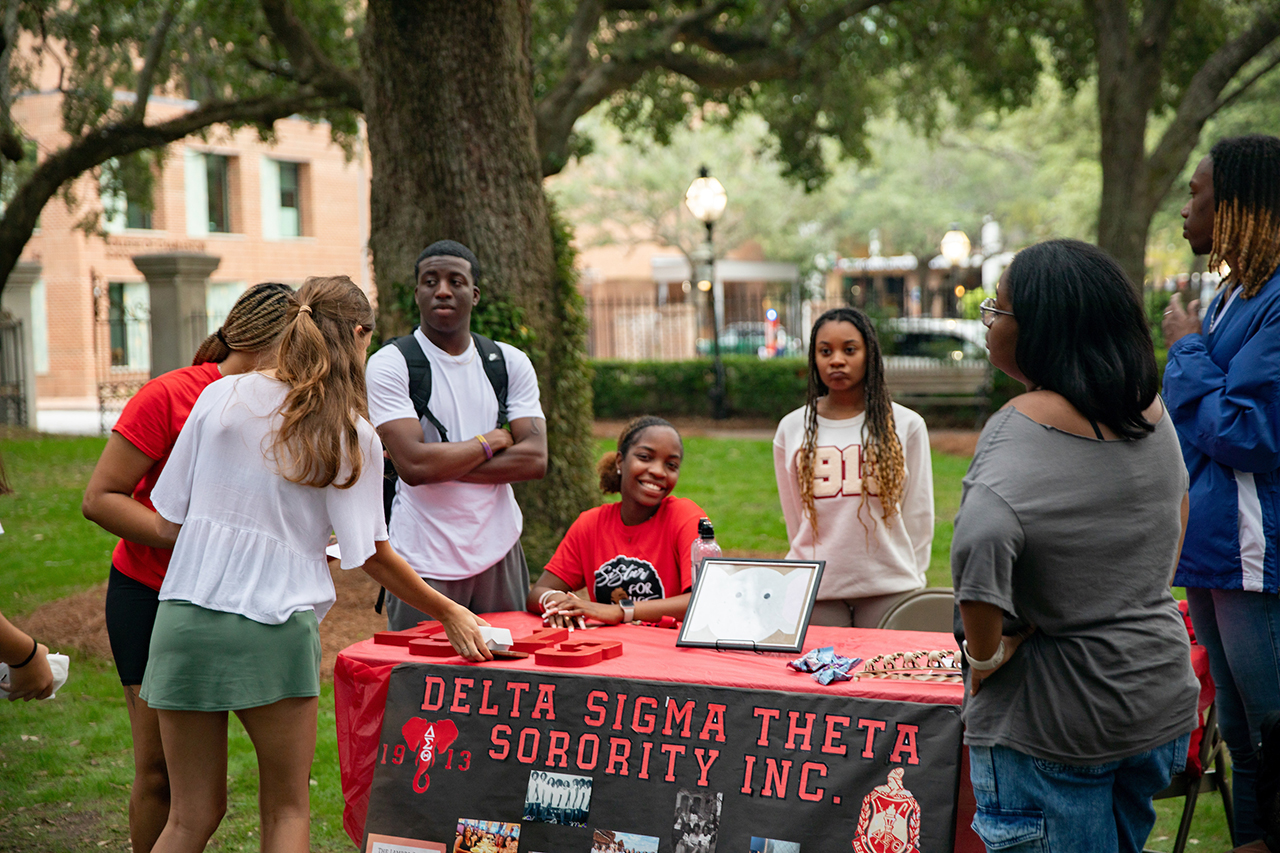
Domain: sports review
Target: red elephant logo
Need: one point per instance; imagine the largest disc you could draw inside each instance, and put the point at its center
(427, 740)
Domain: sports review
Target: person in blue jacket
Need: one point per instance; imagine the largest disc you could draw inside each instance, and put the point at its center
(1222, 387)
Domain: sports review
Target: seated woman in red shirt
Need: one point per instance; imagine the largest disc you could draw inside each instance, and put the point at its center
(632, 556)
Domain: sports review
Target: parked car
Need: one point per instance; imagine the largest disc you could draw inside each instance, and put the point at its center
(924, 341)
(747, 337)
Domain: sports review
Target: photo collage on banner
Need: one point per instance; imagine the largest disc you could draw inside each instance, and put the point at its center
(506, 761)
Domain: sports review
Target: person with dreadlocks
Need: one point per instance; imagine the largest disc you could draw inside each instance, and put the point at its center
(854, 477)
(633, 556)
(118, 498)
(1081, 696)
(1222, 384)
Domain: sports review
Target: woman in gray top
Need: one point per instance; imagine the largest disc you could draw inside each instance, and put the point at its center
(1081, 695)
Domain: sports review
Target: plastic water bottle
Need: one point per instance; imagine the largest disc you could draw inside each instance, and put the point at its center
(705, 546)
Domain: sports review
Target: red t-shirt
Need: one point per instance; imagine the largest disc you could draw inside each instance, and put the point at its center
(151, 421)
(646, 561)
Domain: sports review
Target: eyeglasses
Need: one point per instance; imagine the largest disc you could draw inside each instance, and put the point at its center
(989, 311)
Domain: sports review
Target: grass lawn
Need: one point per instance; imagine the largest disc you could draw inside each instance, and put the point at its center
(66, 765)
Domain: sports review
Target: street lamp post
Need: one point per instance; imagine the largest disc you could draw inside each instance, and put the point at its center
(706, 200)
(955, 248)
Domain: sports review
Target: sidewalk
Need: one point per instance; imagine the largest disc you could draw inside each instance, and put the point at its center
(72, 421)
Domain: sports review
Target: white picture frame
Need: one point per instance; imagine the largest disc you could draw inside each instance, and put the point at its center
(757, 605)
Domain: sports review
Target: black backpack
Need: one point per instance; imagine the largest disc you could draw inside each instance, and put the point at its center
(495, 368)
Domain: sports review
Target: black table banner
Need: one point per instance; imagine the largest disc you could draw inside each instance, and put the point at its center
(499, 761)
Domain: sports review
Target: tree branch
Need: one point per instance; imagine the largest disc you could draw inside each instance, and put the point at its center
(155, 48)
(748, 57)
(310, 63)
(1227, 100)
(115, 140)
(1201, 100)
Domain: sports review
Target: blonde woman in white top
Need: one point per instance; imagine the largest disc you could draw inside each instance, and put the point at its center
(266, 465)
(854, 477)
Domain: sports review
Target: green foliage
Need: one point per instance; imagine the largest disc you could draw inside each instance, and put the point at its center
(815, 72)
(753, 388)
(1035, 171)
(551, 504)
(970, 302)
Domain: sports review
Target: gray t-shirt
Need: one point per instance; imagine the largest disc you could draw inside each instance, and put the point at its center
(1078, 537)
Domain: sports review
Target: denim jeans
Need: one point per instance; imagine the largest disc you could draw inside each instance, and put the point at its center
(1241, 632)
(1028, 805)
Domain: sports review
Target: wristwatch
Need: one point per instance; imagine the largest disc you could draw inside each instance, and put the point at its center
(628, 610)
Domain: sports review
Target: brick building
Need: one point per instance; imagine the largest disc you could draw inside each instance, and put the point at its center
(267, 212)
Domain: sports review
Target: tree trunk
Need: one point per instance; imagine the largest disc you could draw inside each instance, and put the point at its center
(1128, 80)
(448, 103)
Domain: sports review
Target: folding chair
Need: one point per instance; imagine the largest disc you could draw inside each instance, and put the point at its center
(1206, 756)
(929, 609)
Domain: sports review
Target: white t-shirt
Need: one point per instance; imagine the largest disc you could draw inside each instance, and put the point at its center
(253, 542)
(896, 557)
(451, 531)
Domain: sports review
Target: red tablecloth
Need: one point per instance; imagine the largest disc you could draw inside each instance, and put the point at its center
(363, 670)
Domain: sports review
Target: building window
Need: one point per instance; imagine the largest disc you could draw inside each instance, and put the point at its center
(136, 216)
(218, 193)
(290, 201)
(129, 333)
(284, 199)
(116, 323)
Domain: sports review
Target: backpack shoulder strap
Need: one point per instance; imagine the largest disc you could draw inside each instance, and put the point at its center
(495, 368)
(419, 379)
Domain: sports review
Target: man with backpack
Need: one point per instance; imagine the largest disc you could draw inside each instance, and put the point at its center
(439, 399)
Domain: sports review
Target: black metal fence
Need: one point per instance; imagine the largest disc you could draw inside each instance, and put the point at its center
(631, 328)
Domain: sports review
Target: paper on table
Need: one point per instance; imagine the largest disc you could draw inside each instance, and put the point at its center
(58, 664)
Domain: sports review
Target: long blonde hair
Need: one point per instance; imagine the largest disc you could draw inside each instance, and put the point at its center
(321, 361)
(882, 451)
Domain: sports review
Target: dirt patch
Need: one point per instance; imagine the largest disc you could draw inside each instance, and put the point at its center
(954, 442)
(78, 624)
(53, 828)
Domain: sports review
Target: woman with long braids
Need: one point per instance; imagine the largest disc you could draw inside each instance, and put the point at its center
(118, 498)
(267, 465)
(854, 477)
(1081, 696)
(633, 556)
(1222, 384)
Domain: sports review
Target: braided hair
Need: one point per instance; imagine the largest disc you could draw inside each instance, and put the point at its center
(886, 467)
(254, 323)
(607, 467)
(1246, 209)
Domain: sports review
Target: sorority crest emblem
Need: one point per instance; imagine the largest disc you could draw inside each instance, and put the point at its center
(427, 740)
(890, 819)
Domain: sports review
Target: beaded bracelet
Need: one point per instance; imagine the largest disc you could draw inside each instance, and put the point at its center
(35, 647)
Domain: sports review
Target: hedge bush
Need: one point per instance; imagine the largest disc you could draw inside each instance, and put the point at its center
(753, 388)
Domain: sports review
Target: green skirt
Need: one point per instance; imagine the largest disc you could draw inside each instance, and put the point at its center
(207, 660)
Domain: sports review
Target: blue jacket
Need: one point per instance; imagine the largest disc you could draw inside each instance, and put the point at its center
(1222, 388)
